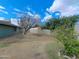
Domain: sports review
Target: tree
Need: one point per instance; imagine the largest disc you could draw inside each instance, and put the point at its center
(67, 37)
(53, 23)
(66, 21)
(26, 23)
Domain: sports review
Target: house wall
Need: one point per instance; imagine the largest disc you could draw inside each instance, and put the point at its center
(6, 30)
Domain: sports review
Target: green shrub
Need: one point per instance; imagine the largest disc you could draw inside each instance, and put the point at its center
(64, 28)
(71, 45)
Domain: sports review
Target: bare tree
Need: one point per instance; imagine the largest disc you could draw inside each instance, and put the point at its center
(26, 23)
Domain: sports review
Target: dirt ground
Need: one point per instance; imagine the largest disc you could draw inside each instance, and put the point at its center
(28, 47)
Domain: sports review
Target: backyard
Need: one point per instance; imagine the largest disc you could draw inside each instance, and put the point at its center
(29, 47)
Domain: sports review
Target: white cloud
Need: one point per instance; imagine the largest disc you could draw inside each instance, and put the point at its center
(19, 14)
(3, 11)
(70, 11)
(66, 7)
(29, 13)
(2, 18)
(17, 10)
(37, 16)
(28, 8)
(55, 6)
(47, 17)
(22, 13)
(1, 7)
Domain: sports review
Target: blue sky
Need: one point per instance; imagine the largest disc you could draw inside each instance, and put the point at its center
(11, 7)
(44, 9)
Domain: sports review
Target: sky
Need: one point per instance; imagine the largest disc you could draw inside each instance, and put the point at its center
(45, 9)
(10, 8)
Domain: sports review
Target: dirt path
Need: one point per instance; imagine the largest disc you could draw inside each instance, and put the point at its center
(30, 47)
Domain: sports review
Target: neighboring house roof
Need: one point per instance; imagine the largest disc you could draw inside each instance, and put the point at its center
(8, 23)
